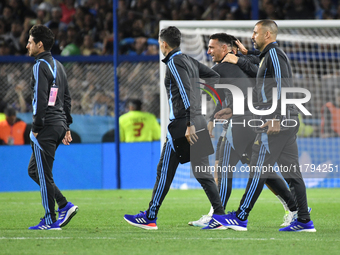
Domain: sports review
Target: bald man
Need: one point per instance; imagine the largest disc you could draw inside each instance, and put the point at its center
(273, 143)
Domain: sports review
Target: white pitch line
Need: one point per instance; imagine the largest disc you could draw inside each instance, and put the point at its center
(143, 238)
(54, 238)
(222, 238)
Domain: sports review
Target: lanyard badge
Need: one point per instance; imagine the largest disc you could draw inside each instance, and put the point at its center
(53, 95)
(54, 89)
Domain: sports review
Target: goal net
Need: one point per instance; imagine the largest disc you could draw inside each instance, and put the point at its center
(313, 47)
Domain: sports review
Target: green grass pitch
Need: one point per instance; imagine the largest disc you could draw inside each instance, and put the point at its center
(99, 227)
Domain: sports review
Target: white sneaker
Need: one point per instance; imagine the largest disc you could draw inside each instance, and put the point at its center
(288, 218)
(291, 216)
(202, 222)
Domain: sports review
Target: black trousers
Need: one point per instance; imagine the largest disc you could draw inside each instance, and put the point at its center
(281, 148)
(168, 164)
(239, 139)
(40, 167)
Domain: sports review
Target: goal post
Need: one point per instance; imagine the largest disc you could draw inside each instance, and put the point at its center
(313, 47)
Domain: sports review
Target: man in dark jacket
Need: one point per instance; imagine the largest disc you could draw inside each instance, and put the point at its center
(237, 139)
(181, 82)
(274, 144)
(51, 103)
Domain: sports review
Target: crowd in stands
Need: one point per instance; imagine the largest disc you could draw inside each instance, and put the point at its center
(85, 27)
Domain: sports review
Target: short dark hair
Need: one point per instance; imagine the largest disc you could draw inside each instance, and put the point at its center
(233, 40)
(10, 111)
(171, 35)
(222, 38)
(41, 33)
(269, 24)
(136, 103)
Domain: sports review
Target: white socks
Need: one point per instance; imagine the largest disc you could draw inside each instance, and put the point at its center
(211, 212)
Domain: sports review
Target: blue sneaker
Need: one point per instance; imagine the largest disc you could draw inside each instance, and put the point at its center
(231, 221)
(140, 220)
(43, 226)
(214, 225)
(297, 226)
(66, 214)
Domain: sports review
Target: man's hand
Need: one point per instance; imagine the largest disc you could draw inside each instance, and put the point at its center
(230, 58)
(224, 114)
(273, 126)
(211, 128)
(241, 47)
(190, 134)
(35, 134)
(68, 138)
